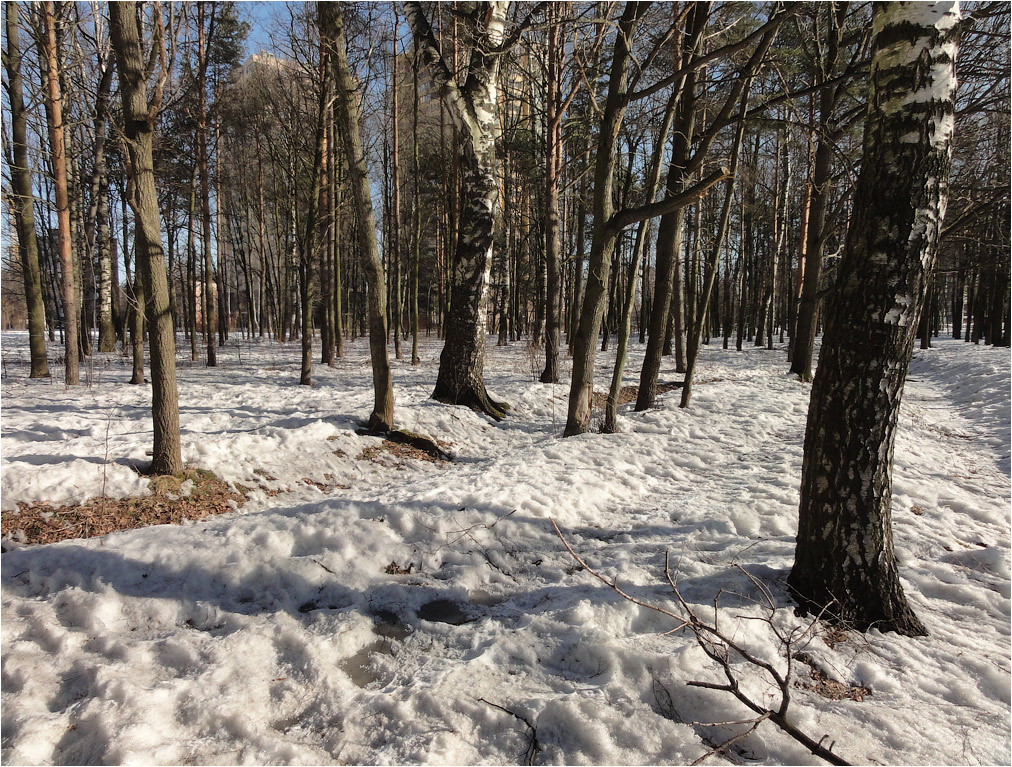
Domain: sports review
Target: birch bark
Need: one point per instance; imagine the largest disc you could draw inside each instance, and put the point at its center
(844, 559)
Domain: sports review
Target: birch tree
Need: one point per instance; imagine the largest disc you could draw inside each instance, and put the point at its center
(844, 560)
(473, 108)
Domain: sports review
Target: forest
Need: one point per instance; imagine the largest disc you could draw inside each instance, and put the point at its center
(459, 382)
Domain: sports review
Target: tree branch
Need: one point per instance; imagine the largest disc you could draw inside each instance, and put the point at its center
(628, 216)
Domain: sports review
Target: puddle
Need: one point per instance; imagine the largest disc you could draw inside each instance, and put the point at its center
(444, 611)
(360, 667)
(483, 598)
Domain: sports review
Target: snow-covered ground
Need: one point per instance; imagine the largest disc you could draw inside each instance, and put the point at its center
(276, 634)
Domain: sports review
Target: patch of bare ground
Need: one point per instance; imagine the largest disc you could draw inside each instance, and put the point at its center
(822, 685)
(401, 450)
(190, 495)
(628, 394)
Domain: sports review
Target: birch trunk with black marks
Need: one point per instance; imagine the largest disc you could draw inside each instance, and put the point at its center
(347, 101)
(844, 560)
(473, 108)
(139, 117)
(24, 199)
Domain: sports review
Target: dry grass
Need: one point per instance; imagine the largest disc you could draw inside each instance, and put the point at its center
(833, 690)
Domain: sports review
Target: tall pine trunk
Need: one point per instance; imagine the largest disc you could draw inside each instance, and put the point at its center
(208, 288)
(553, 223)
(58, 149)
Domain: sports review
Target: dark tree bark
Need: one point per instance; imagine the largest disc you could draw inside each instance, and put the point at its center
(696, 332)
(669, 233)
(609, 223)
(331, 24)
(844, 558)
(307, 255)
(610, 425)
(24, 199)
(553, 222)
(208, 288)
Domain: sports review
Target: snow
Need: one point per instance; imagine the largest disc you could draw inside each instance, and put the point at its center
(274, 634)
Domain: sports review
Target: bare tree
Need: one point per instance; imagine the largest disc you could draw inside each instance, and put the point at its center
(139, 116)
(332, 27)
(24, 198)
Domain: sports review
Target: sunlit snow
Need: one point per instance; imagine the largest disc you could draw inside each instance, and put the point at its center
(275, 634)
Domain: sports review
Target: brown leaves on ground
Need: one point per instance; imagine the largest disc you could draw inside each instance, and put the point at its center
(41, 522)
(400, 450)
(628, 394)
(833, 690)
(822, 685)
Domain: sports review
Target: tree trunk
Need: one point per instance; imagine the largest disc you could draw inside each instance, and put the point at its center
(808, 309)
(209, 310)
(475, 114)
(610, 425)
(844, 558)
(604, 235)
(417, 208)
(553, 176)
(311, 240)
(24, 200)
(395, 201)
(692, 351)
(332, 27)
(669, 233)
(139, 121)
(58, 148)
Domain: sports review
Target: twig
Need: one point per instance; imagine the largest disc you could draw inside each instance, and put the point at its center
(325, 567)
(723, 746)
(533, 746)
(718, 647)
(612, 584)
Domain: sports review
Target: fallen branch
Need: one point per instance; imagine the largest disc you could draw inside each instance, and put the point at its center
(722, 748)
(613, 584)
(719, 647)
